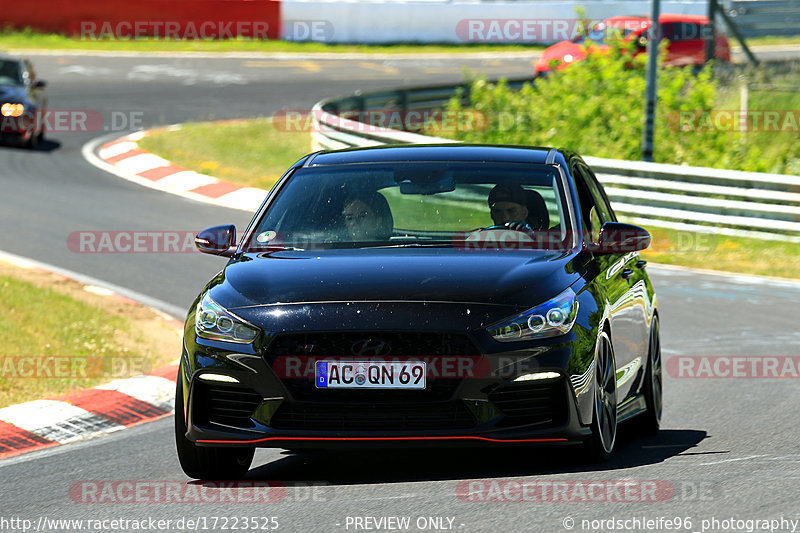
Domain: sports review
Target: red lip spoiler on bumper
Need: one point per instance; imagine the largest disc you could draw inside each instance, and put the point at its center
(466, 437)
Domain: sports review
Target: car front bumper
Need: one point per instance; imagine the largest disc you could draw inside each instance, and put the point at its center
(269, 406)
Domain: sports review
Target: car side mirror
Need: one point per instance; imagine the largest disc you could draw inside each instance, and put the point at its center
(616, 237)
(219, 240)
(39, 84)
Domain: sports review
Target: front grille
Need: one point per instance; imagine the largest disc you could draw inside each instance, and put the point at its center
(531, 402)
(435, 390)
(316, 346)
(401, 344)
(371, 417)
(225, 404)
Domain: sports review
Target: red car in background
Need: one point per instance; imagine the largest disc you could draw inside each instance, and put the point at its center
(684, 32)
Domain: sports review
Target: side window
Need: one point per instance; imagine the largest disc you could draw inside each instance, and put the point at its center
(590, 215)
(599, 195)
(668, 31)
(681, 31)
(689, 32)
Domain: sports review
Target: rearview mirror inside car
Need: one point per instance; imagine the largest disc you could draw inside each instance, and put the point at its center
(446, 184)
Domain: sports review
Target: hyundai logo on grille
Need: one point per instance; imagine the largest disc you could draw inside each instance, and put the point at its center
(371, 346)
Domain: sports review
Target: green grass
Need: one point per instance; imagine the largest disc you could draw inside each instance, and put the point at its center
(769, 40)
(29, 40)
(720, 252)
(41, 323)
(766, 151)
(250, 152)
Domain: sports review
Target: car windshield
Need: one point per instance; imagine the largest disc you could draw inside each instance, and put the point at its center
(436, 204)
(10, 73)
(605, 34)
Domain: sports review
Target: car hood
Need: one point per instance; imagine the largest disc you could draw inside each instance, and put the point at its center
(14, 94)
(557, 52)
(508, 278)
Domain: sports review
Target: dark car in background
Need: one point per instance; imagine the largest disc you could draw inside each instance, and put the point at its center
(380, 298)
(23, 102)
(685, 34)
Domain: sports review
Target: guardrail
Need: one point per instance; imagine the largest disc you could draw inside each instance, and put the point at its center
(654, 194)
(759, 18)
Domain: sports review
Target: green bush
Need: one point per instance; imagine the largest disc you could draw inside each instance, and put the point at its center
(596, 107)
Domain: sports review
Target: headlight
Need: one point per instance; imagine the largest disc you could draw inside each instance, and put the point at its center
(550, 319)
(12, 110)
(212, 321)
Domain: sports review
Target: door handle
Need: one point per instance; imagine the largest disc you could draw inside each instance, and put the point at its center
(641, 264)
(627, 273)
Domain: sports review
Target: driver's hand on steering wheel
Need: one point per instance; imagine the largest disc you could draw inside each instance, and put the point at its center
(519, 225)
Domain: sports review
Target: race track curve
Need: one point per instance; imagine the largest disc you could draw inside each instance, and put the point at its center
(728, 448)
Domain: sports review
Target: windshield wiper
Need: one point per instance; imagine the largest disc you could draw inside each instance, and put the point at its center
(280, 248)
(432, 244)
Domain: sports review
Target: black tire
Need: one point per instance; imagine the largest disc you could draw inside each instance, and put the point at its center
(600, 445)
(649, 422)
(201, 462)
(33, 142)
(36, 138)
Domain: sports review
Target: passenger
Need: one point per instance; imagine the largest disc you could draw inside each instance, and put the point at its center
(367, 217)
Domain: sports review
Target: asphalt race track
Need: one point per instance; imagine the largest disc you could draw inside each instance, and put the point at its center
(728, 448)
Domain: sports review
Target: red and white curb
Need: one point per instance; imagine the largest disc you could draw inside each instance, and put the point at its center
(88, 413)
(124, 158)
(78, 415)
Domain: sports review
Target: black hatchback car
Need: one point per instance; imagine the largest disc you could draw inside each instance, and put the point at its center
(23, 102)
(418, 296)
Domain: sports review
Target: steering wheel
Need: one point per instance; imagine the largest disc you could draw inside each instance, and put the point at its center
(520, 225)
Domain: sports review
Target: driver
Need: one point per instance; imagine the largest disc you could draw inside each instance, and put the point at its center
(508, 207)
(367, 217)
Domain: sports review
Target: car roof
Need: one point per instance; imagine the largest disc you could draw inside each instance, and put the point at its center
(662, 18)
(435, 152)
(7, 57)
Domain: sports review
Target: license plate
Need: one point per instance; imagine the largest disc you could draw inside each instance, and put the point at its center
(370, 375)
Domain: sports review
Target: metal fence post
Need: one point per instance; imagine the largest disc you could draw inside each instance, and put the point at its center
(651, 94)
(710, 29)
